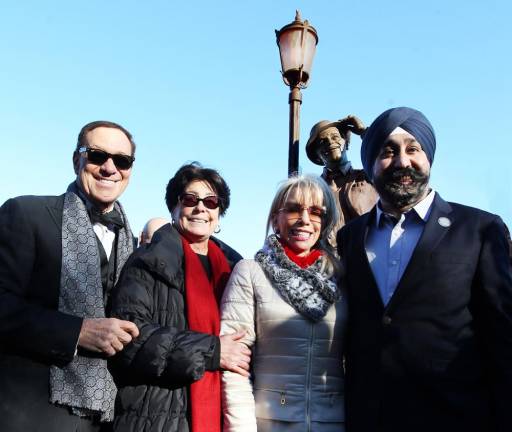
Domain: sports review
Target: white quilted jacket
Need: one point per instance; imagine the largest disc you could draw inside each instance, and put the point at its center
(297, 372)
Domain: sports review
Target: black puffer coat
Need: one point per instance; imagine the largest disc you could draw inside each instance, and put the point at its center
(153, 372)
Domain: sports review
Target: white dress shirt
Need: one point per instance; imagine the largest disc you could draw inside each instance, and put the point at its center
(106, 236)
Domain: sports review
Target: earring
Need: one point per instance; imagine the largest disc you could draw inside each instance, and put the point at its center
(217, 230)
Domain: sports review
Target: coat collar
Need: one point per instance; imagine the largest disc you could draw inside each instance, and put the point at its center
(436, 228)
(358, 252)
(164, 255)
(54, 208)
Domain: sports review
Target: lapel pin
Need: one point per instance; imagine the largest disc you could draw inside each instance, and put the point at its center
(444, 222)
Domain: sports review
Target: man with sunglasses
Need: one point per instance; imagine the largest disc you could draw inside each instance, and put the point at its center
(59, 258)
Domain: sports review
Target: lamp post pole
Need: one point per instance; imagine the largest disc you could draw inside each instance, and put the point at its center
(297, 45)
(295, 100)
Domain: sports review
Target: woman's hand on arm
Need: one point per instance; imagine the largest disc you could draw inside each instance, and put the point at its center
(235, 356)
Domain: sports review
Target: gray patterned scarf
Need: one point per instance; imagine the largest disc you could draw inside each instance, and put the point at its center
(85, 384)
(307, 290)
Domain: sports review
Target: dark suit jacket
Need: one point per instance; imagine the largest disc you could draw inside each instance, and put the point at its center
(33, 334)
(438, 357)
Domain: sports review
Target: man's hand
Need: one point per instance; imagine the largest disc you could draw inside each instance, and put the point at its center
(106, 335)
(353, 124)
(234, 354)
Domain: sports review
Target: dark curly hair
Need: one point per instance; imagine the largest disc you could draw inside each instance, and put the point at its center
(195, 172)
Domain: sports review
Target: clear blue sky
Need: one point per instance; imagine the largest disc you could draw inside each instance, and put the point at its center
(200, 81)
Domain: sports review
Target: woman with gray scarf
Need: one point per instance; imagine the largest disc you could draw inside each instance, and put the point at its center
(288, 302)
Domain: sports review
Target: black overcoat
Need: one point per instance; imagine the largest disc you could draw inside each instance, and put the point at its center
(153, 373)
(438, 357)
(33, 334)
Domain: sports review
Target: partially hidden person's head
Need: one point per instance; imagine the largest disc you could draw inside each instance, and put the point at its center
(327, 142)
(397, 153)
(152, 225)
(303, 214)
(196, 198)
(102, 160)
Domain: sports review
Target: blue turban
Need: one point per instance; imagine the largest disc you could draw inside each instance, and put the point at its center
(408, 119)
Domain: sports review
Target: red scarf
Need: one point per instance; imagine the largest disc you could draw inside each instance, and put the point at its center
(302, 261)
(202, 304)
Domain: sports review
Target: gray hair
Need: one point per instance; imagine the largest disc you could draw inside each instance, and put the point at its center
(309, 186)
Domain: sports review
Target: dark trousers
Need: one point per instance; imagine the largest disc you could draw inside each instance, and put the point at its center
(63, 421)
(52, 419)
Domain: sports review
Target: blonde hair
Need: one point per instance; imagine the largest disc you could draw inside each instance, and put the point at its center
(310, 188)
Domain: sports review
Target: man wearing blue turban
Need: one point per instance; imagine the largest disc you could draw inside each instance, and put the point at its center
(429, 288)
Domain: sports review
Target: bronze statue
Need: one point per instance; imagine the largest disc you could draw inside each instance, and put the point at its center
(327, 146)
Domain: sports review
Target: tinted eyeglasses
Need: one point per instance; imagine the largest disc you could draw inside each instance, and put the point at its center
(190, 200)
(295, 211)
(99, 157)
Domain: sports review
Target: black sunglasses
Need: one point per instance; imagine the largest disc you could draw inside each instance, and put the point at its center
(190, 200)
(99, 157)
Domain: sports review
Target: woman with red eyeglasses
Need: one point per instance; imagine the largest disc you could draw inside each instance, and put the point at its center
(288, 302)
(169, 377)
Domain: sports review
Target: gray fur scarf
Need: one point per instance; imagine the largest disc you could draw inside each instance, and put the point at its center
(307, 290)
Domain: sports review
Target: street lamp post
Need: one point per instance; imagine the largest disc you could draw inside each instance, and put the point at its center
(297, 45)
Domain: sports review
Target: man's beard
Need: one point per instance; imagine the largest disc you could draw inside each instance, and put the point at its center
(399, 195)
